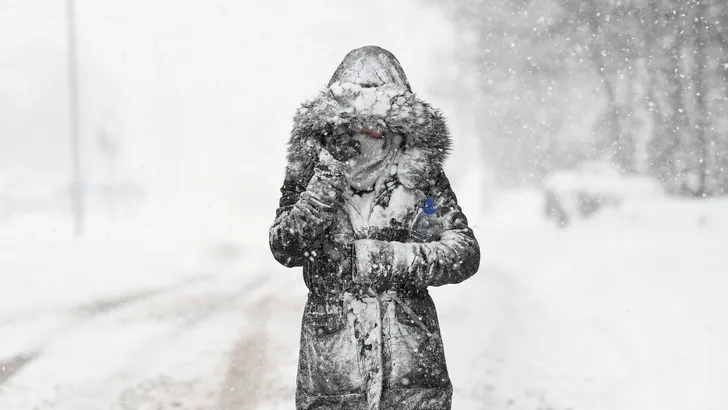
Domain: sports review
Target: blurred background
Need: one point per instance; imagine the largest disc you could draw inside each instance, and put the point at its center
(142, 146)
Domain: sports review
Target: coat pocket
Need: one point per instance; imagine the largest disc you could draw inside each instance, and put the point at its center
(329, 360)
(323, 325)
(417, 358)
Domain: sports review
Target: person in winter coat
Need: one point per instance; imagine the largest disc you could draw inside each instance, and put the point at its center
(367, 211)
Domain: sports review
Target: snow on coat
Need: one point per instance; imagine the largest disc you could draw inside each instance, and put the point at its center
(370, 337)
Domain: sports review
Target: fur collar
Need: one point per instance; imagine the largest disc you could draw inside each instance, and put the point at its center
(393, 111)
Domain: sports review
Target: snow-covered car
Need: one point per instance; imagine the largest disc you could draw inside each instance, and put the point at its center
(579, 193)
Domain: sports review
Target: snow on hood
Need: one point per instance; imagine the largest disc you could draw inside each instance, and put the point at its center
(369, 67)
(370, 90)
(370, 82)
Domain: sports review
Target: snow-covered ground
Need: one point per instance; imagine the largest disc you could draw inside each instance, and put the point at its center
(623, 311)
(148, 316)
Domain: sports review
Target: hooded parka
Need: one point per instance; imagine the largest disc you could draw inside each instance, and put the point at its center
(370, 337)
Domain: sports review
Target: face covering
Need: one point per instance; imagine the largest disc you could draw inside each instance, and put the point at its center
(377, 156)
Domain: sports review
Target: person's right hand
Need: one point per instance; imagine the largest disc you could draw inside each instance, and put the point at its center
(329, 180)
(331, 166)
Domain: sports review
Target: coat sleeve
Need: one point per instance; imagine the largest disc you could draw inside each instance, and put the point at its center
(452, 259)
(305, 210)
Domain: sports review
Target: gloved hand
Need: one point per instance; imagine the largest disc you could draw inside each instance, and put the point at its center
(329, 180)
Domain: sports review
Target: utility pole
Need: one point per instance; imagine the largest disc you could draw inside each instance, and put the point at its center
(76, 181)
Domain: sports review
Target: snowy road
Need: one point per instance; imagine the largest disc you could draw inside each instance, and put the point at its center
(606, 315)
(162, 348)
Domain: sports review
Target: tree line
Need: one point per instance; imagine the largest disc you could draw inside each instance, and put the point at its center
(640, 83)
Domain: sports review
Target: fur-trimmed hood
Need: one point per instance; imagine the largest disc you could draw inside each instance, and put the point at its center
(369, 90)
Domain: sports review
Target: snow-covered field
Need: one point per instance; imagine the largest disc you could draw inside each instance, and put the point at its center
(623, 311)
